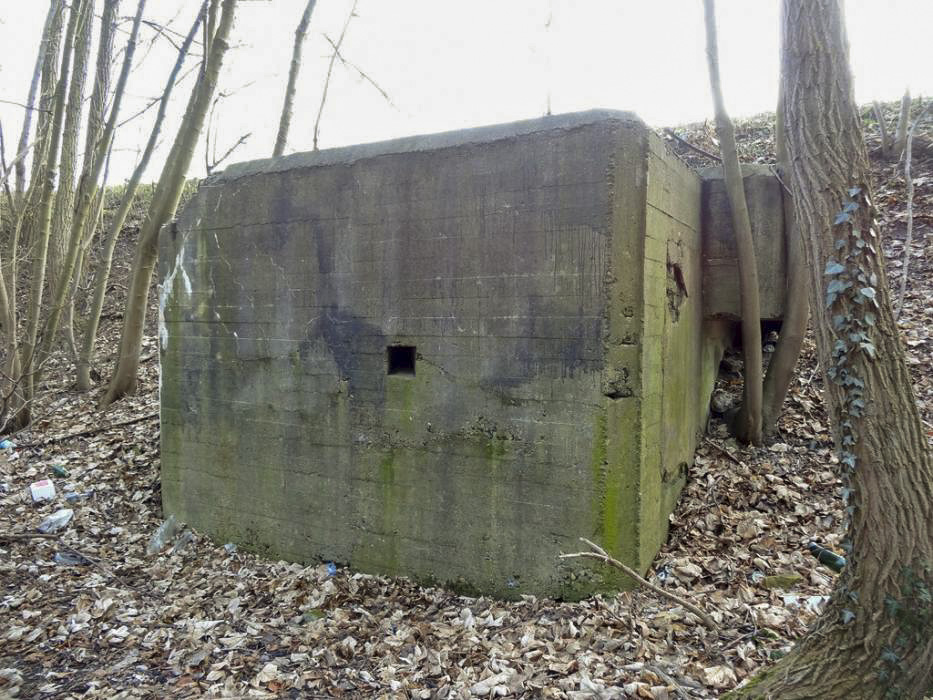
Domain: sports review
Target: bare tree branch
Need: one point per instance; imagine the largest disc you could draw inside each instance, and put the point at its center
(286, 117)
(330, 70)
(600, 554)
(26, 107)
(364, 76)
(239, 142)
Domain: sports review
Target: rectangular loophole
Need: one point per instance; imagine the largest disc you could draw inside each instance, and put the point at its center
(401, 359)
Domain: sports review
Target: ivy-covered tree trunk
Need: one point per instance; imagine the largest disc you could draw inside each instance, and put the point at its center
(875, 639)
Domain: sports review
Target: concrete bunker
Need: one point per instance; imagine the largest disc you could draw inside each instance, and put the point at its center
(446, 357)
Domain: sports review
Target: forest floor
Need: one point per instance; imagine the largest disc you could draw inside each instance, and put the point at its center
(88, 613)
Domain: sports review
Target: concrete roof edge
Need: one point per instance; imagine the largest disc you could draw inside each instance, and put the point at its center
(427, 142)
(714, 172)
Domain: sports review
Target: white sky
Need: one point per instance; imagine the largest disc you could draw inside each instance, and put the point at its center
(450, 64)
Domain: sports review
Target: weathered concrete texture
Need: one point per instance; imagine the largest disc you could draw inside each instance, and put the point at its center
(547, 275)
(720, 269)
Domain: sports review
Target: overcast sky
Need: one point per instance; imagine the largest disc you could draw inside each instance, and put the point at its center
(447, 65)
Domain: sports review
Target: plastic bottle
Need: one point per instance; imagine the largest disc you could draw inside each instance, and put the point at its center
(165, 534)
(56, 521)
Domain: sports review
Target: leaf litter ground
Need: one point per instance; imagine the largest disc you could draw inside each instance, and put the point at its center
(88, 613)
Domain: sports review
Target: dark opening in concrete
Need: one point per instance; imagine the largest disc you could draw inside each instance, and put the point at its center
(401, 359)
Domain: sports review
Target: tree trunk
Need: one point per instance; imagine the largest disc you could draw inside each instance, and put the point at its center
(102, 273)
(874, 639)
(780, 372)
(164, 201)
(47, 90)
(95, 128)
(43, 221)
(65, 192)
(87, 196)
(900, 133)
(286, 118)
(20, 167)
(748, 427)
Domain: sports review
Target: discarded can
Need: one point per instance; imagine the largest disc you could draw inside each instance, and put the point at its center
(56, 521)
(42, 490)
(331, 569)
(230, 548)
(7, 444)
(72, 496)
(70, 558)
(59, 471)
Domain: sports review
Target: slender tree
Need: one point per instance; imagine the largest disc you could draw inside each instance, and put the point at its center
(43, 217)
(164, 201)
(874, 638)
(65, 190)
(20, 166)
(97, 111)
(748, 426)
(87, 196)
(780, 372)
(285, 119)
(102, 272)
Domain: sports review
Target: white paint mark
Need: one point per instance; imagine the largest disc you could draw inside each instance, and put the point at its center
(166, 288)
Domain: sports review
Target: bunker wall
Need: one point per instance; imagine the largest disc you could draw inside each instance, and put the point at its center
(446, 357)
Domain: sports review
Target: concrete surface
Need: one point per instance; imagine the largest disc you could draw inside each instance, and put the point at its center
(546, 277)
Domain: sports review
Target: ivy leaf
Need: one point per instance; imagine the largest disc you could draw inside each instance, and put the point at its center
(892, 605)
(854, 191)
(889, 655)
(850, 207)
(847, 617)
(869, 349)
(869, 318)
(834, 268)
(841, 218)
(868, 292)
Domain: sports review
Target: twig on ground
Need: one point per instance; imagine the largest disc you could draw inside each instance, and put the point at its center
(98, 564)
(89, 431)
(17, 536)
(667, 678)
(724, 451)
(680, 139)
(600, 554)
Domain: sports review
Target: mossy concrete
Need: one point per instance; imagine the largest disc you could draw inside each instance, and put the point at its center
(548, 275)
